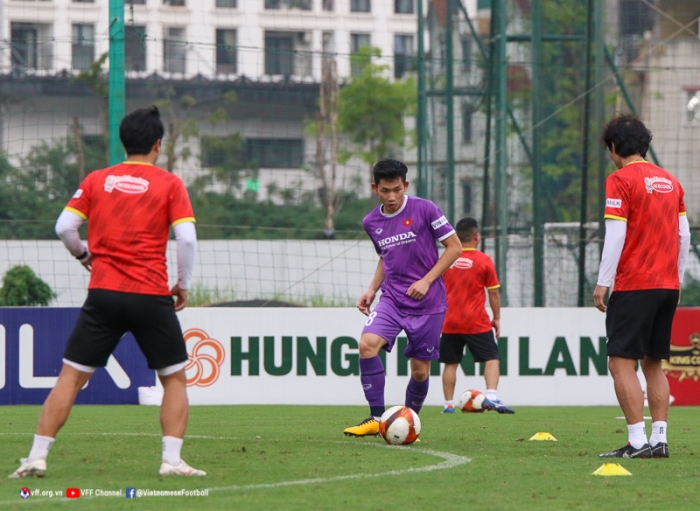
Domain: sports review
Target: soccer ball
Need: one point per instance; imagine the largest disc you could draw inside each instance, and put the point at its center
(471, 401)
(399, 425)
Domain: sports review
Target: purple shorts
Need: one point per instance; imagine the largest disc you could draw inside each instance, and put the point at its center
(423, 332)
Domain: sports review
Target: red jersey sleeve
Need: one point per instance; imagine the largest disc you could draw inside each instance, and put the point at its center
(490, 277)
(180, 207)
(80, 202)
(617, 197)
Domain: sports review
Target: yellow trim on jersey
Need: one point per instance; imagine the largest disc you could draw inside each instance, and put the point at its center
(467, 248)
(636, 161)
(613, 217)
(138, 163)
(76, 211)
(682, 213)
(183, 220)
(493, 287)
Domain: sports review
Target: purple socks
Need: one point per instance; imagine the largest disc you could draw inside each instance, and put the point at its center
(373, 379)
(416, 392)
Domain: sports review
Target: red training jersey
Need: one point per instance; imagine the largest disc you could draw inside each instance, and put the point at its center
(130, 208)
(465, 281)
(650, 200)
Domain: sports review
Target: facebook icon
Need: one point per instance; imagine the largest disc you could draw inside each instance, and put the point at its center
(130, 493)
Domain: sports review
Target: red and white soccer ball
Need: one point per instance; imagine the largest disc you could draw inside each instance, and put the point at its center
(399, 425)
(471, 401)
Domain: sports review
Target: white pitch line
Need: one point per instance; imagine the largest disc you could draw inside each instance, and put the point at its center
(450, 461)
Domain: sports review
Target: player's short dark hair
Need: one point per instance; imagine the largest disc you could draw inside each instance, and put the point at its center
(389, 170)
(629, 135)
(466, 229)
(140, 130)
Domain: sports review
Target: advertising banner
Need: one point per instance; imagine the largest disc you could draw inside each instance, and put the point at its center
(32, 341)
(310, 356)
(683, 367)
(554, 356)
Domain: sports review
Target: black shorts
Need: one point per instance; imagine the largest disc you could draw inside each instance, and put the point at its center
(482, 346)
(638, 323)
(107, 315)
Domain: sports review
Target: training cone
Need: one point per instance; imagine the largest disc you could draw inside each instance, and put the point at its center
(612, 469)
(543, 436)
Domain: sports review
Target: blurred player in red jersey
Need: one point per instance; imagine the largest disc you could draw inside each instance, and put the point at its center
(130, 208)
(647, 238)
(467, 322)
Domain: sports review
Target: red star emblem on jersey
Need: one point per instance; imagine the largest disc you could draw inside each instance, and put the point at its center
(407, 222)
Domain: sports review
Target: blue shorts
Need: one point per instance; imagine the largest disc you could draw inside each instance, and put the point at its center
(423, 331)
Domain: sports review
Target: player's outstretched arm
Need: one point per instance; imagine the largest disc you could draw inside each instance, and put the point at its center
(495, 304)
(365, 301)
(453, 249)
(67, 227)
(186, 240)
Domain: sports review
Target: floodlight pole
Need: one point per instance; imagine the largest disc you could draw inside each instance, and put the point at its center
(498, 11)
(422, 115)
(117, 92)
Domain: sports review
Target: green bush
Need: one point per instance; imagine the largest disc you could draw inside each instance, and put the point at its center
(21, 287)
(690, 294)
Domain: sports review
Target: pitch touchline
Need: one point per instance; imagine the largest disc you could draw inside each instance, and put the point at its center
(449, 461)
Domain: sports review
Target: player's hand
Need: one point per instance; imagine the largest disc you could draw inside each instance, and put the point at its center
(87, 262)
(599, 298)
(182, 296)
(496, 324)
(365, 301)
(418, 289)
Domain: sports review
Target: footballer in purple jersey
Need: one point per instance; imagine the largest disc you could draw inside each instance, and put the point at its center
(404, 230)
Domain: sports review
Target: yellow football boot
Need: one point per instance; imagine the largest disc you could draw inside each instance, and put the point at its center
(368, 427)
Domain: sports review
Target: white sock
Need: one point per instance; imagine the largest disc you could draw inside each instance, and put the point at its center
(40, 448)
(658, 433)
(448, 404)
(171, 450)
(492, 394)
(637, 435)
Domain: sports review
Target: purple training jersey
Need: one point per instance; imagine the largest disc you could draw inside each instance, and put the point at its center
(405, 241)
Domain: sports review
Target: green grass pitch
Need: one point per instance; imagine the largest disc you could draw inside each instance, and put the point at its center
(296, 458)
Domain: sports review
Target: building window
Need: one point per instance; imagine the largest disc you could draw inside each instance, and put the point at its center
(279, 55)
(304, 5)
(30, 47)
(357, 41)
(174, 50)
(226, 4)
(466, 197)
(225, 51)
(403, 54)
(135, 2)
(175, 3)
(83, 46)
(272, 153)
(360, 6)
(328, 5)
(467, 114)
(134, 48)
(83, 1)
(403, 6)
(466, 54)
(24, 46)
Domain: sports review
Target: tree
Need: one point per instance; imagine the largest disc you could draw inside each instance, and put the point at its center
(325, 130)
(21, 287)
(372, 109)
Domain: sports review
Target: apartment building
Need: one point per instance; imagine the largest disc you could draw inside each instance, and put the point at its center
(269, 52)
